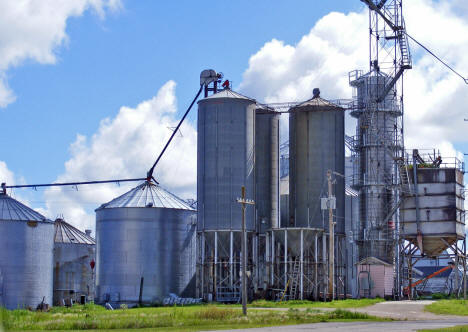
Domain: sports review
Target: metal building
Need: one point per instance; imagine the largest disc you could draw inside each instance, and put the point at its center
(297, 252)
(74, 257)
(145, 247)
(226, 162)
(26, 252)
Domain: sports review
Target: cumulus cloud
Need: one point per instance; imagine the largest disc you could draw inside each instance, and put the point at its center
(126, 146)
(6, 175)
(435, 99)
(34, 30)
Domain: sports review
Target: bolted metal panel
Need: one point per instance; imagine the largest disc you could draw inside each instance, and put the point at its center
(73, 253)
(226, 160)
(267, 168)
(26, 251)
(316, 144)
(155, 243)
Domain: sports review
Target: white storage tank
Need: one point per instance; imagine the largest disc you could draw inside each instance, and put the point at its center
(26, 249)
(145, 241)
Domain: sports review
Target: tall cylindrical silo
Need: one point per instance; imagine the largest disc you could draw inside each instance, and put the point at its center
(26, 251)
(145, 239)
(266, 168)
(74, 252)
(226, 160)
(378, 145)
(316, 145)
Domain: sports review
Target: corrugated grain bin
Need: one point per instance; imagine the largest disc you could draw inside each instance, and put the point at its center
(226, 160)
(74, 252)
(316, 145)
(266, 168)
(146, 233)
(26, 251)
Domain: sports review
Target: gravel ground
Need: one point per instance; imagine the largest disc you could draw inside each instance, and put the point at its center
(411, 316)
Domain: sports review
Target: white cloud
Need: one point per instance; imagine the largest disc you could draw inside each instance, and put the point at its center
(34, 30)
(435, 99)
(6, 175)
(125, 147)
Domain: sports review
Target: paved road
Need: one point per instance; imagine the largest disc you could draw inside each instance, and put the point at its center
(410, 313)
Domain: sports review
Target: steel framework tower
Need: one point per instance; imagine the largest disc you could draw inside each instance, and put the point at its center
(378, 147)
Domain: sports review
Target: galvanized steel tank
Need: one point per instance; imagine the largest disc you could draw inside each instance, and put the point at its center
(226, 160)
(145, 233)
(378, 143)
(73, 253)
(316, 144)
(26, 249)
(266, 168)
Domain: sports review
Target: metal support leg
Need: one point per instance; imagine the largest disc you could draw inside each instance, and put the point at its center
(231, 256)
(215, 273)
(316, 295)
(302, 266)
(285, 258)
(324, 261)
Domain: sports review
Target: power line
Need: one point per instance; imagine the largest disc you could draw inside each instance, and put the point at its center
(439, 59)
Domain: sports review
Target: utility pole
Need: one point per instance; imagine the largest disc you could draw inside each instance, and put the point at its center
(243, 201)
(331, 241)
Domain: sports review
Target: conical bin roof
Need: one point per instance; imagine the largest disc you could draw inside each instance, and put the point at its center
(148, 195)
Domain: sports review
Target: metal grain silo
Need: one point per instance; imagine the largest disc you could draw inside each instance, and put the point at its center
(74, 252)
(145, 242)
(316, 145)
(266, 168)
(26, 249)
(226, 160)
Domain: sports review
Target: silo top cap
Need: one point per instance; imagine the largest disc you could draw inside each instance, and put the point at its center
(11, 209)
(317, 104)
(228, 93)
(147, 195)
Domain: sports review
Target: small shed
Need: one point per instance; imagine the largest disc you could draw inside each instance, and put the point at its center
(375, 278)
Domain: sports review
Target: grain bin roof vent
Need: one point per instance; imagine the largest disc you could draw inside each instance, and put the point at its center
(147, 195)
(66, 233)
(11, 209)
(316, 92)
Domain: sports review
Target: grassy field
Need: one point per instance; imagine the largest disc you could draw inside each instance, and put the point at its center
(191, 318)
(461, 328)
(340, 304)
(449, 307)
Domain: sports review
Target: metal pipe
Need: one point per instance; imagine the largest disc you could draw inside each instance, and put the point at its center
(59, 184)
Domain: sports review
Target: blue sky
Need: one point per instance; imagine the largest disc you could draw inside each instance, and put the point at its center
(124, 59)
(75, 66)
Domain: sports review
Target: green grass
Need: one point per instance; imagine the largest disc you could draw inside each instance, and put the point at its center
(461, 328)
(339, 304)
(448, 307)
(192, 318)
